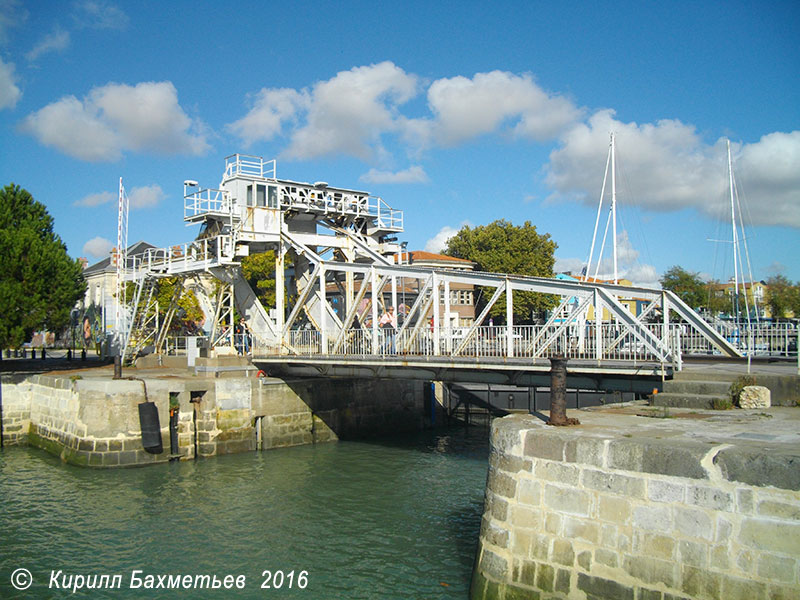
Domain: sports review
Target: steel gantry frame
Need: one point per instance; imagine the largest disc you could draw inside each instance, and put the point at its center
(567, 333)
(253, 211)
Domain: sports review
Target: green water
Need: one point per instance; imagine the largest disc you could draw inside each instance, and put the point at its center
(379, 519)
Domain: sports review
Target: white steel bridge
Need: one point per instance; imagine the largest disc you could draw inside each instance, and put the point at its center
(346, 267)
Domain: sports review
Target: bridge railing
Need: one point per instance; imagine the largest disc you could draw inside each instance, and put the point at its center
(757, 339)
(527, 341)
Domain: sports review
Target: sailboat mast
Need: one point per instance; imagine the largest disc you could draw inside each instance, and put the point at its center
(735, 234)
(614, 205)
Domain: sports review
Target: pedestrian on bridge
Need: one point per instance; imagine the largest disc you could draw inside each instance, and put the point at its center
(388, 324)
(242, 337)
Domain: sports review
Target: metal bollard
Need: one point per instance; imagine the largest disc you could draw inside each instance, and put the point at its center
(558, 392)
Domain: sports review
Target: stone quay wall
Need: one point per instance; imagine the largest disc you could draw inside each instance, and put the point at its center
(592, 512)
(95, 421)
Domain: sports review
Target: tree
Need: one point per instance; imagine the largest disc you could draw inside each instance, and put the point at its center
(188, 314)
(719, 299)
(782, 296)
(502, 247)
(259, 271)
(39, 282)
(686, 285)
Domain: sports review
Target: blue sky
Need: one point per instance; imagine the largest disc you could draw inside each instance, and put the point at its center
(454, 112)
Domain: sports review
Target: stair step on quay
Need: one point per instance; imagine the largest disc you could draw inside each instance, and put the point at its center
(713, 388)
(683, 400)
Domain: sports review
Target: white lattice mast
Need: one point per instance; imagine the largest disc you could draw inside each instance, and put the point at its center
(120, 316)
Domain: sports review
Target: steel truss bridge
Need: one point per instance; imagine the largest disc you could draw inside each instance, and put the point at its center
(347, 267)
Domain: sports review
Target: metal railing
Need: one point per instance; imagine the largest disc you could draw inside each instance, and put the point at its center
(181, 258)
(757, 339)
(528, 341)
(205, 202)
(249, 166)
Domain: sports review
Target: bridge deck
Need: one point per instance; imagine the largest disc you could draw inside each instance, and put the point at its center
(610, 375)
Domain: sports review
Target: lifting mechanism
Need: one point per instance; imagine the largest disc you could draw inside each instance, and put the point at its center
(343, 243)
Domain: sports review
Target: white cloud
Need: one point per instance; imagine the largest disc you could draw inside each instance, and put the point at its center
(55, 41)
(272, 107)
(98, 247)
(348, 113)
(415, 174)
(665, 166)
(95, 199)
(115, 118)
(99, 15)
(351, 112)
(146, 196)
(439, 242)
(769, 171)
(488, 103)
(9, 92)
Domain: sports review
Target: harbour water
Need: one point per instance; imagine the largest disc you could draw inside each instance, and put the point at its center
(379, 519)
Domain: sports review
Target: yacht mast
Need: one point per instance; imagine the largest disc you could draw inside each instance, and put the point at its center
(735, 236)
(610, 164)
(614, 205)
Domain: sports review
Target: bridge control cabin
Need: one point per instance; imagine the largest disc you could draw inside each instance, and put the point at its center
(257, 206)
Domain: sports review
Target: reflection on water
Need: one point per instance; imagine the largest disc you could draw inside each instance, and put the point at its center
(395, 518)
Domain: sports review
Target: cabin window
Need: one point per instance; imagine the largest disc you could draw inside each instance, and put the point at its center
(249, 195)
(272, 197)
(261, 195)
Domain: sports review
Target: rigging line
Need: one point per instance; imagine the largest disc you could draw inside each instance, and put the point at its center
(746, 253)
(603, 245)
(599, 210)
(642, 238)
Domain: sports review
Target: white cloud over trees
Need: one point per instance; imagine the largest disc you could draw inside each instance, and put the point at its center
(438, 243)
(115, 118)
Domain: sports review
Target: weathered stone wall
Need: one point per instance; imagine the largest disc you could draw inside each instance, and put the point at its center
(592, 512)
(95, 421)
(16, 409)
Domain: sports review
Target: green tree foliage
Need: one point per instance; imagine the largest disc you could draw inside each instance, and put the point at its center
(39, 282)
(719, 299)
(259, 271)
(189, 312)
(503, 247)
(686, 285)
(782, 297)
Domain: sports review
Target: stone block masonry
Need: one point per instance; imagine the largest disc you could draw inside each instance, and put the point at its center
(627, 507)
(94, 421)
